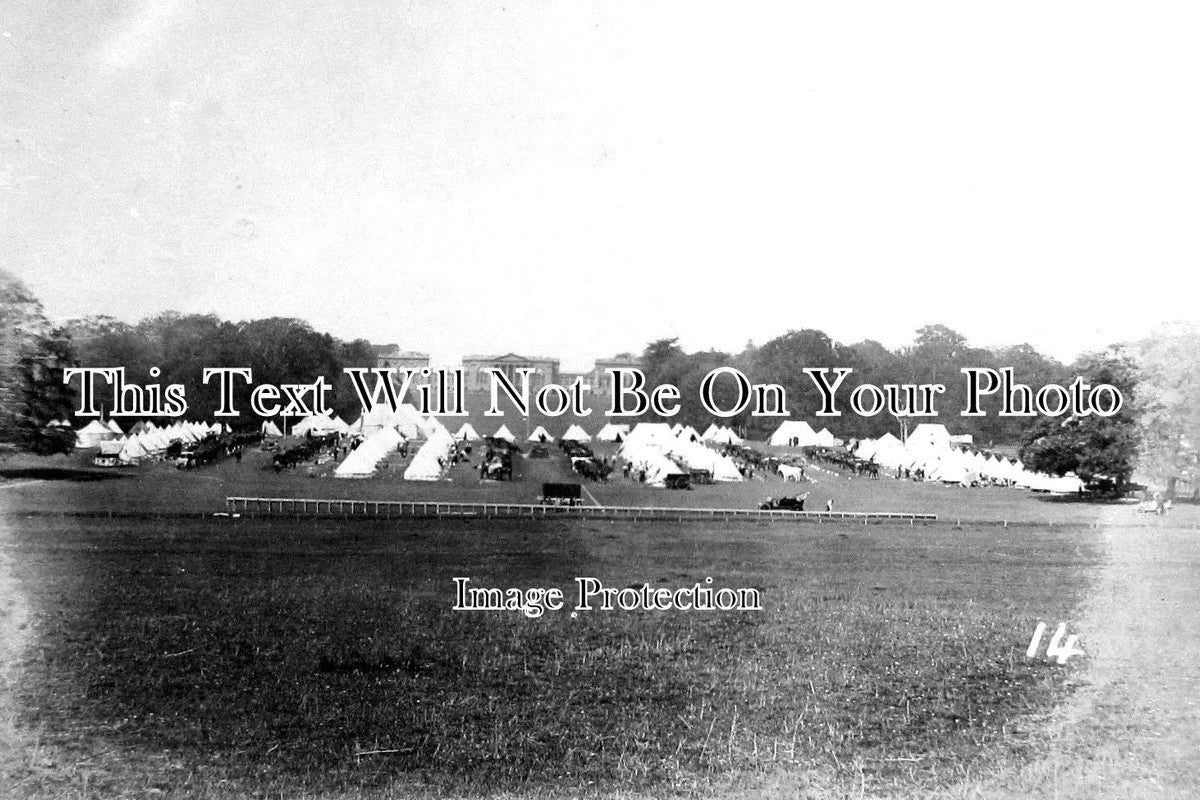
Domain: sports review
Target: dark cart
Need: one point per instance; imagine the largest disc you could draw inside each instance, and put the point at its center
(682, 481)
(562, 494)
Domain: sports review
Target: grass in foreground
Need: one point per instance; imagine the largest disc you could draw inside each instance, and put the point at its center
(318, 657)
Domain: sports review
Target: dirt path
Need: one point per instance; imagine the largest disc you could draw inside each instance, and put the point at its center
(1144, 630)
(1132, 728)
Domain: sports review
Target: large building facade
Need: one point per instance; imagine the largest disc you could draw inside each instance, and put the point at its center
(601, 380)
(390, 356)
(477, 375)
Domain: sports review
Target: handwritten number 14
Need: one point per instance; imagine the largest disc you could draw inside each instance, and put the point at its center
(1057, 649)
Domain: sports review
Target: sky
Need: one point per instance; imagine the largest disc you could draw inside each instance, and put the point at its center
(577, 179)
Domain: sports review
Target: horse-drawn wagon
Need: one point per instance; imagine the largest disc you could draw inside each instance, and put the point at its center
(561, 494)
(784, 503)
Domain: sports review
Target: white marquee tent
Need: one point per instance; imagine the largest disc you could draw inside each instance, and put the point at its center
(576, 434)
(649, 433)
(92, 434)
(404, 419)
(725, 436)
(466, 433)
(697, 456)
(431, 459)
(928, 436)
(540, 434)
(134, 450)
(826, 439)
(794, 433)
(613, 433)
(364, 459)
(643, 456)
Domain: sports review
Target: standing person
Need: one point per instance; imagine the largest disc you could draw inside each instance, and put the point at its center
(829, 504)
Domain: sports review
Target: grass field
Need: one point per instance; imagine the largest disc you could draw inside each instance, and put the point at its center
(177, 654)
(220, 657)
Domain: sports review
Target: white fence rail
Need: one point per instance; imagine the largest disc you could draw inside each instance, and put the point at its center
(390, 509)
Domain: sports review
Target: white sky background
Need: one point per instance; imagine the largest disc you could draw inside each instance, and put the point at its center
(576, 179)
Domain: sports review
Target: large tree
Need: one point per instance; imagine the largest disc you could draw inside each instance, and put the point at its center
(692, 411)
(782, 360)
(663, 362)
(1030, 368)
(32, 356)
(1092, 447)
(1168, 396)
(937, 354)
(44, 398)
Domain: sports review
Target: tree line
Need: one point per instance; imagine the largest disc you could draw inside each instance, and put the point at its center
(278, 350)
(34, 353)
(1156, 431)
(937, 355)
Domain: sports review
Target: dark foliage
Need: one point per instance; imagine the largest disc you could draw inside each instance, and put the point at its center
(1092, 447)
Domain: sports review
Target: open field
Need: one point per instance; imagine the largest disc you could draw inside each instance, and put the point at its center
(160, 488)
(222, 656)
(1130, 726)
(183, 655)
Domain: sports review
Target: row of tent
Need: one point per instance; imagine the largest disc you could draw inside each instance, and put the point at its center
(427, 464)
(652, 447)
(94, 433)
(147, 441)
(611, 432)
(931, 450)
(656, 450)
(409, 422)
(405, 420)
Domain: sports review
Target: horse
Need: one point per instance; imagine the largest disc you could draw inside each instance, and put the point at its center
(592, 469)
(790, 473)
